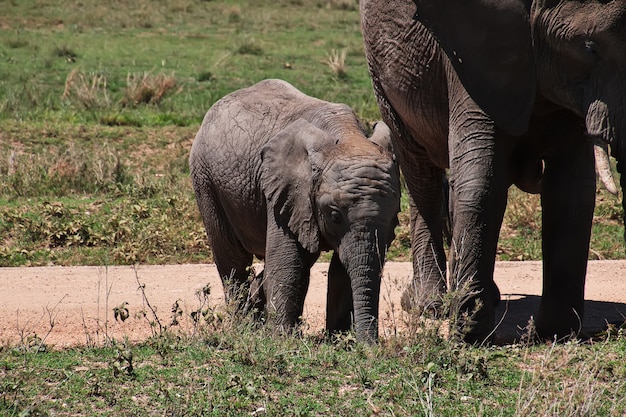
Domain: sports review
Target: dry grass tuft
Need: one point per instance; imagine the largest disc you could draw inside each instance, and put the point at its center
(340, 4)
(147, 88)
(337, 62)
(87, 90)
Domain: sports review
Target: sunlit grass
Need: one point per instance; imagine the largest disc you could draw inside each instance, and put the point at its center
(107, 101)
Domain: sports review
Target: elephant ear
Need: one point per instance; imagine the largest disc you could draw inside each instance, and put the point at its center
(382, 136)
(489, 44)
(292, 161)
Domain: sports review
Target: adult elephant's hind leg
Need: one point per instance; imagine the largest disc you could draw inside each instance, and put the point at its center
(424, 181)
(568, 200)
(424, 292)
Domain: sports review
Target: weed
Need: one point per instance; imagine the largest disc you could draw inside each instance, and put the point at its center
(123, 361)
(29, 341)
(177, 312)
(206, 316)
(234, 14)
(120, 313)
(426, 398)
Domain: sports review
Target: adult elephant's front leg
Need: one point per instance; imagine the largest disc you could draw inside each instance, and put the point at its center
(287, 273)
(568, 200)
(479, 186)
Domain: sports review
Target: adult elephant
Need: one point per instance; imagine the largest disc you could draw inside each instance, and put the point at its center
(501, 92)
(282, 175)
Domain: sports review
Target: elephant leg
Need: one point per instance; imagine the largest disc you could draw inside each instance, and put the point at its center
(287, 274)
(231, 259)
(424, 293)
(424, 181)
(479, 184)
(339, 304)
(257, 299)
(568, 201)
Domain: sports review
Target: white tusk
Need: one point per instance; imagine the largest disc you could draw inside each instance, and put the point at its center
(603, 166)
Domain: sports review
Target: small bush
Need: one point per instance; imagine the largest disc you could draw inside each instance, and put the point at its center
(65, 52)
(205, 76)
(16, 43)
(234, 14)
(250, 47)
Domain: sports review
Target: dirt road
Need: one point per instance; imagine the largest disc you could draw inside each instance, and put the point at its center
(69, 306)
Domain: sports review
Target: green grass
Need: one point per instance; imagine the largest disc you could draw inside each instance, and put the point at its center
(212, 48)
(75, 129)
(229, 368)
(99, 104)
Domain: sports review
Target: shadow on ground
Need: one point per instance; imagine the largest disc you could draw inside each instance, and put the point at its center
(515, 311)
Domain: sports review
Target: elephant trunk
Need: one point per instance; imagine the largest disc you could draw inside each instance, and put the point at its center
(363, 260)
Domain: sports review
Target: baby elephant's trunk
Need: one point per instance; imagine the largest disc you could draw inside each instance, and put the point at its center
(364, 260)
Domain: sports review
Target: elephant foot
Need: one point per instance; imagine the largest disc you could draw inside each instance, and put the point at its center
(423, 299)
(474, 320)
(556, 321)
(475, 324)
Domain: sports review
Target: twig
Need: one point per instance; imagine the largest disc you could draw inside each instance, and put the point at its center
(142, 288)
(88, 339)
(51, 320)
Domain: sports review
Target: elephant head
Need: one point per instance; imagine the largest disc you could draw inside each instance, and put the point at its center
(510, 52)
(337, 193)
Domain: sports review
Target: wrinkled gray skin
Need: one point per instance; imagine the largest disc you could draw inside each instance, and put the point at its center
(506, 92)
(283, 176)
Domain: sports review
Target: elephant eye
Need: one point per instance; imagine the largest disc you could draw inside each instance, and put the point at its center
(336, 217)
(591, 47)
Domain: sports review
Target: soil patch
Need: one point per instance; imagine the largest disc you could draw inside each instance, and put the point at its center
(69, 306)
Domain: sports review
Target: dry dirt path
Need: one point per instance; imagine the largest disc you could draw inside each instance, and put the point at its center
(79, 301)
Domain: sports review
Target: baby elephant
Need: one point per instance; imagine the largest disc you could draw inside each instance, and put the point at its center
(283, 176)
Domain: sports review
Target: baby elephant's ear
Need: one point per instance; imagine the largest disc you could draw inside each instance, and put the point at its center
(382, 136)
(291, 161)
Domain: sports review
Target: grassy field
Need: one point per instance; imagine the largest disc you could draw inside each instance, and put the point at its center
(226, 367)
(99, 104)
